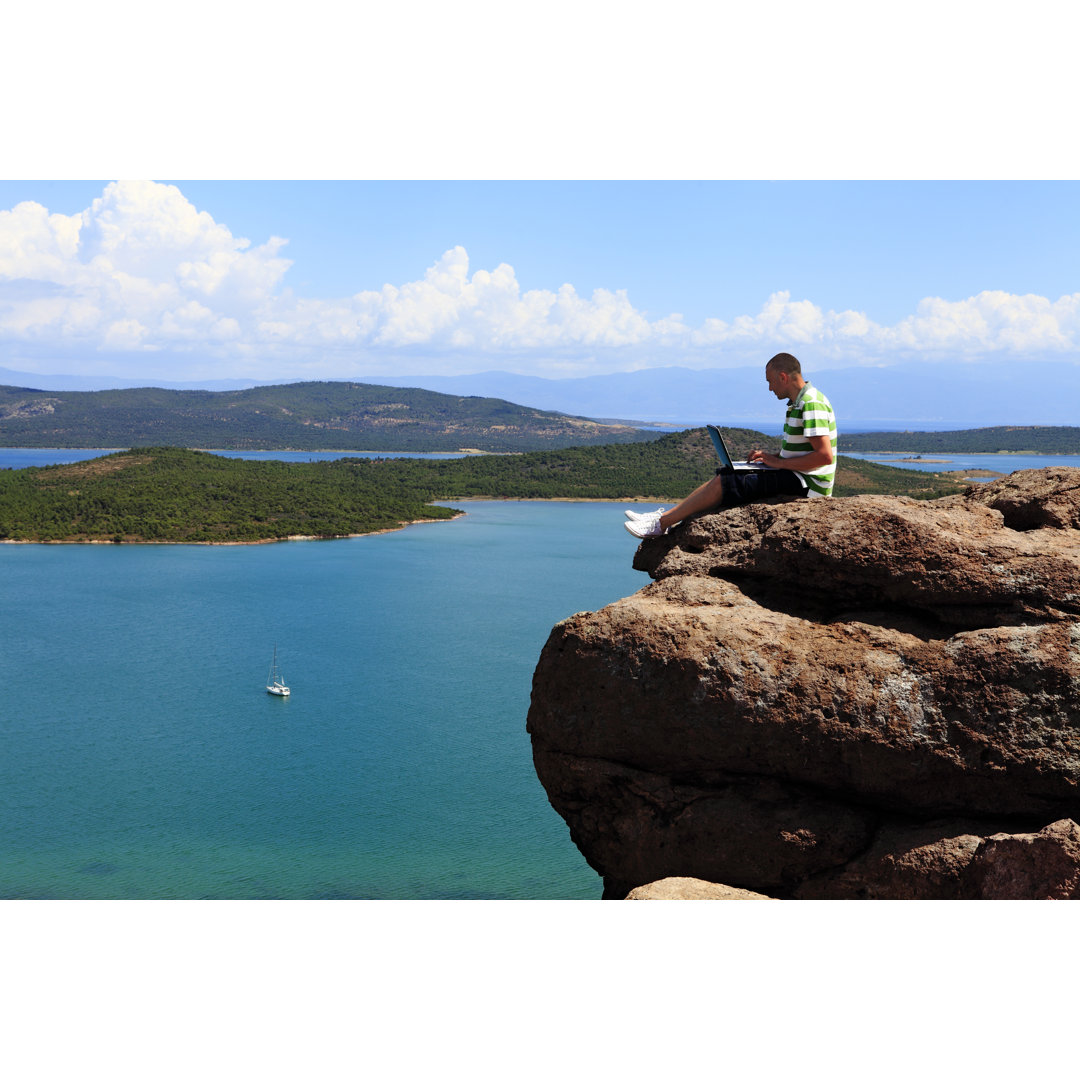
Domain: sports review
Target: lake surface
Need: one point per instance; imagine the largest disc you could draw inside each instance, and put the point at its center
(140, 756)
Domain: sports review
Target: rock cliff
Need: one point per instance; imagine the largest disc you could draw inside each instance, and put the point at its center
(867, 697)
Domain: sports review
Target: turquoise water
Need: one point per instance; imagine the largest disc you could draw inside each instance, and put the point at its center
(140, 756)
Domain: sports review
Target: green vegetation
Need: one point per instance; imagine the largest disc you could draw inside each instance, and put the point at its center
(299, 416)
(666, 470)
(184, 496)
(989, 440)
(855, 477)
(173, 495)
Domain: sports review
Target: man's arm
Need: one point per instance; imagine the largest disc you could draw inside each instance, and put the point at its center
(820, 456)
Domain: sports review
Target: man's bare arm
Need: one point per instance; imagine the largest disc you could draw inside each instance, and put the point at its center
(820, 456)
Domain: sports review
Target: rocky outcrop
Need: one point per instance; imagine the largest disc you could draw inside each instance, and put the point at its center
(868, 697)
(681, 888)
(1034, 498)
(25, 410)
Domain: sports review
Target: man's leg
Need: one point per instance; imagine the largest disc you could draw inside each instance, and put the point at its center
(698, 501)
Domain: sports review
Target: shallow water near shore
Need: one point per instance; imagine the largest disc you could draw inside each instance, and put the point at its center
(142, 758)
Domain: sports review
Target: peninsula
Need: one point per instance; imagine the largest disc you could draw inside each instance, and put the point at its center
(989, 440)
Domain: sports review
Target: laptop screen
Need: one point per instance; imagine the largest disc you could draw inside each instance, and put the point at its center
(721, 448)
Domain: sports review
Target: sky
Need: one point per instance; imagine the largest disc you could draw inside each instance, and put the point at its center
(267, 279)
(579, 189)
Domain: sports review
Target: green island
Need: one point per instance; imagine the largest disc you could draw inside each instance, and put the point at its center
(175, 495)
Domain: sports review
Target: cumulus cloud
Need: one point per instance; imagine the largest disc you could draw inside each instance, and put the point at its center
(141, 268)
(993, 321)
(142, 271)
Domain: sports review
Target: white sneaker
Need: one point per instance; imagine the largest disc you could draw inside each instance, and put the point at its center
(638, 517)
(644, 527)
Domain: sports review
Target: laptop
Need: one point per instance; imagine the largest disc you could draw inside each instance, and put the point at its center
(722, 452)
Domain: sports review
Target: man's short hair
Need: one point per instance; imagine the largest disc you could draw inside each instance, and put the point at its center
(784, 361)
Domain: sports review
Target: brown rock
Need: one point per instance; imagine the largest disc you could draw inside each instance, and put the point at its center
(683, 888)
(906, 862)
(636, 826)
(953, 567)
(1033, 498)
(1035, 866)
(951, 861)
(691, 677)
(811, 690)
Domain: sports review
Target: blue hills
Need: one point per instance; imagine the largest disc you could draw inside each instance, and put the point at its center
(923, 396)
(915, 396)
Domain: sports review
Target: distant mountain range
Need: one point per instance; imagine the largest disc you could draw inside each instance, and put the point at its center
(919, 396)
(33, 381)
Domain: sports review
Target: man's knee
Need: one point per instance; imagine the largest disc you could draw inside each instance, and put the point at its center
(714, 490)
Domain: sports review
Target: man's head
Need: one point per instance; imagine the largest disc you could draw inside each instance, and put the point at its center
(783, 373)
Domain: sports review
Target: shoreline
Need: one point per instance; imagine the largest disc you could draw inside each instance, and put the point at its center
(336, 536)
(241, 543)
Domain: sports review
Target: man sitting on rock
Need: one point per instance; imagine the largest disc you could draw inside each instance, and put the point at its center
(805, 466)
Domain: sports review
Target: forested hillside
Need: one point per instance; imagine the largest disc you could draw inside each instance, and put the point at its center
(665, 470)
(988, 440)
(300, 416)
(176, 495)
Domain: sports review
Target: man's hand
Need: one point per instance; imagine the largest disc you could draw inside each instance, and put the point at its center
(774, 461)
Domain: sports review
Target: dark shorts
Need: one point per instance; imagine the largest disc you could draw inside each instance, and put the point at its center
(758, 484)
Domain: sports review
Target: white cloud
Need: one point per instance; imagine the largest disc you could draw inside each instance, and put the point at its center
(993, 321)
(125, 334)
(142, 271)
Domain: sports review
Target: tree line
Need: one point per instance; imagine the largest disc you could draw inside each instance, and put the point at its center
(988, 440)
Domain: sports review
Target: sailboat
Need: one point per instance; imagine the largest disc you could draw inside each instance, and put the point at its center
(274, 682)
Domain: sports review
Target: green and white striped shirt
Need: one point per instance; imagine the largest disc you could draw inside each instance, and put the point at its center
(810, 415)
